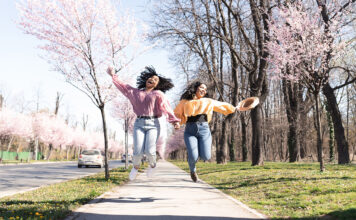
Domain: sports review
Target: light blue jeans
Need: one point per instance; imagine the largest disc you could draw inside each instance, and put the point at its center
(197, 138)
(145, 136)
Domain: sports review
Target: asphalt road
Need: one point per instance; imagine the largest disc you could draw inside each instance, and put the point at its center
(21, 178)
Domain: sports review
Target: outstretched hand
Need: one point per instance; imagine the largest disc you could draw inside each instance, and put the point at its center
(176, 125)
(238, 107)
(110, 71)
(248, 104)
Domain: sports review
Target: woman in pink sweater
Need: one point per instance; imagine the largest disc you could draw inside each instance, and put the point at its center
(149, 103)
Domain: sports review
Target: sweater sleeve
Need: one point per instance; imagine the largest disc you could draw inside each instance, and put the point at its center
(223, 107)
(124, 88)
(179, 111)
(166, 109)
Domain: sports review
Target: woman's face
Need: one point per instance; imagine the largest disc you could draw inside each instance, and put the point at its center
(201, 91)
(152, 82)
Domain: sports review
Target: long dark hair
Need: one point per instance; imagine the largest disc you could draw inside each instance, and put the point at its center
(191, 89)
(164, 84)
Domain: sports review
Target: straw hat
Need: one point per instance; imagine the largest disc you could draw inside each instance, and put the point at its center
(248, 104)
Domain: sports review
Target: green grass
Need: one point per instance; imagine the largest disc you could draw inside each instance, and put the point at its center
(286, 190)
(10, 162)
(33, 161)
(58, 200)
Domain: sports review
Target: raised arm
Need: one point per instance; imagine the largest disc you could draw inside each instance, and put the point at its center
(124, 88)
(223, 107)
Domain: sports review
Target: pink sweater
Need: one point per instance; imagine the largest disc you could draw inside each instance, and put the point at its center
(152, 103)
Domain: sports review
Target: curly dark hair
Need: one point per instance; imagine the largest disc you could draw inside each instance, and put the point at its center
(164, 84)
(191, 89)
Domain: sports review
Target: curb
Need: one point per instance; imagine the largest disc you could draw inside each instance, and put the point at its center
(65, 161)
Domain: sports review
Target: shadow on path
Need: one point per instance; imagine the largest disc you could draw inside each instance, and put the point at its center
(130, 200)
(89, 216)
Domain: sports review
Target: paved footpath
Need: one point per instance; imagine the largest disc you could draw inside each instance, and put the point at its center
(169, 195)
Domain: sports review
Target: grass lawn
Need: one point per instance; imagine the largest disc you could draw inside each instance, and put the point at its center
(58, 200)
(32, 161)
(11, 162)
(285, 190)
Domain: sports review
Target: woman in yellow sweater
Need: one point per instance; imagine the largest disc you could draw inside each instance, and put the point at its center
(195, 110)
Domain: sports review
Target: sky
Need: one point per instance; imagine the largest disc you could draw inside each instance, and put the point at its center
(25, 77)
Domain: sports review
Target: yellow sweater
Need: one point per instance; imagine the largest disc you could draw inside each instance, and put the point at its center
(186, 108)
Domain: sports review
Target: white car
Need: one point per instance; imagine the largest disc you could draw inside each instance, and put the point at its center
(123, 158)
(91, 158)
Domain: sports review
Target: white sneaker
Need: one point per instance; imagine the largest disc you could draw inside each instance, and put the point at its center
(150, 172)
(133, 174)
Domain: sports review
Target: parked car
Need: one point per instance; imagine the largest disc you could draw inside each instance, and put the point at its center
(123, 158)
(91, 158)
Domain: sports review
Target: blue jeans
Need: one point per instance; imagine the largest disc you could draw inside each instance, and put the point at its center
(145, 136)
(197, 138)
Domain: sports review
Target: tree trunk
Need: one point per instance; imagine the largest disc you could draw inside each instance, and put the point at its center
(50, 148)
(281, 146)
(10, 143)
(223, 144)
(347, 113)
(331, 135)
(216, 138)
(342, 145)
(303, 133)
(232, 144)
(293, 144)
(67, 151)
(126, 144)
(291, 95)
(243, 137)
(318, 131)
(107, 175)
(257, 77)
(36, 148)
(257, 136)
(79, 151)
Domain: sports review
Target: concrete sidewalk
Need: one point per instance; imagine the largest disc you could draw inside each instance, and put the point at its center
(170, 195)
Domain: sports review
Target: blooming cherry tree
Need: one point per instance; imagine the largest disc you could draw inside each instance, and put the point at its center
(175, 142)
(123, 111)
(81, 38)
(301, 46)
(50, 129)
(15, 124)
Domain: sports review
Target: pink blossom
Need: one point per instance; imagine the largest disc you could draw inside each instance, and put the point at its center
(83, 36)
(50, 129)
(122, 110)
(175, 141)
(299, 43)
(15, 124)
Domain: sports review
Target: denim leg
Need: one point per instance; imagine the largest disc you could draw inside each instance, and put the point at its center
(138, 142)
(191, 142)
(151, 138)
(204, 141)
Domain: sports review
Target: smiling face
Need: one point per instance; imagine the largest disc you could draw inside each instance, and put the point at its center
(201, 91)
(152, 82)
